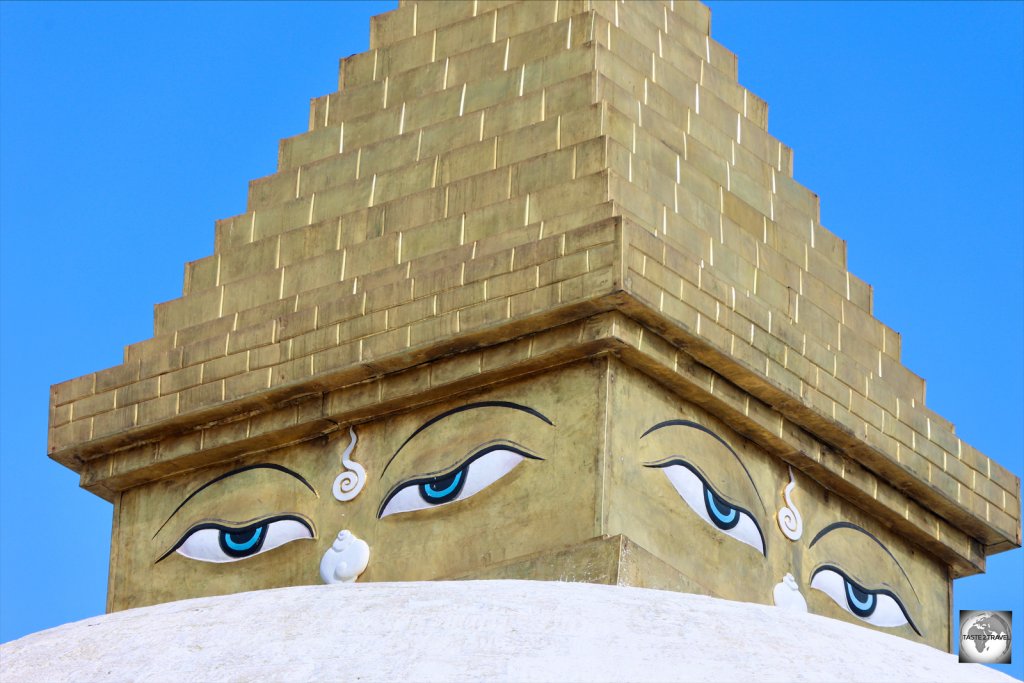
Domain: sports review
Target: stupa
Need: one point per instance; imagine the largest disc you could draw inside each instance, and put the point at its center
(535, 297)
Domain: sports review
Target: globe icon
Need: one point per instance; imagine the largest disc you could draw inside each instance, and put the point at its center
(985, 638)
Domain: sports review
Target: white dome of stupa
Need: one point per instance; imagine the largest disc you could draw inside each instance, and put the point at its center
(472, 631)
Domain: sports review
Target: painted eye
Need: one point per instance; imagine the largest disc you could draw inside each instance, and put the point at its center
(695, 491)
(878, 607)
(478, 472)
(215, 542)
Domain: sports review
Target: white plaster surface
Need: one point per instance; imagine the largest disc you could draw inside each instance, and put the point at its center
(472, 631)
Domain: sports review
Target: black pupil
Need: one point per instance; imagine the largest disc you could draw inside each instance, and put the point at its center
(858, 593)
(243, 542)
(443, 489)
(862, 597)
(242, 537)
(731, 518)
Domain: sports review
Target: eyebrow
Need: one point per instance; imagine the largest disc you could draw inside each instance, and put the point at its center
(459, 409)
(239, 470)
(702, 428)
(835, 526)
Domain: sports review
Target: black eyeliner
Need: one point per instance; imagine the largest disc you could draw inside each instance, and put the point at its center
(870, 591)
(238, 470)
(459, 409)
(245, 526)
(701, 428)
(464, 464)
(676, 460)
(853, 527)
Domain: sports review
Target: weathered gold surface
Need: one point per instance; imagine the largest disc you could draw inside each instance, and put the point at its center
(541, 520)
(605, 559)
(541, 505)
(643, 506)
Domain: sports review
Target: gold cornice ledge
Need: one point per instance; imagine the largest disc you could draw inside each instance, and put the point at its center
(614, 323)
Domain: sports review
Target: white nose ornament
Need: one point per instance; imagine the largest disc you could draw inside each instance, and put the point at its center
(345, 560)
(787, 595)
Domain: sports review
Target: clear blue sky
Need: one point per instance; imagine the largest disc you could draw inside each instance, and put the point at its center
(128, 128)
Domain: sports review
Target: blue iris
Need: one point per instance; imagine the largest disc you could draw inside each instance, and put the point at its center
(724, 516)
(242, 542)
(862, 603)
(444, 488)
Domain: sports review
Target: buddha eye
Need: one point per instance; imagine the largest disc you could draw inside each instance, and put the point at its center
(479, 471)
(217, 542)
(695, 491)
(878, 607)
